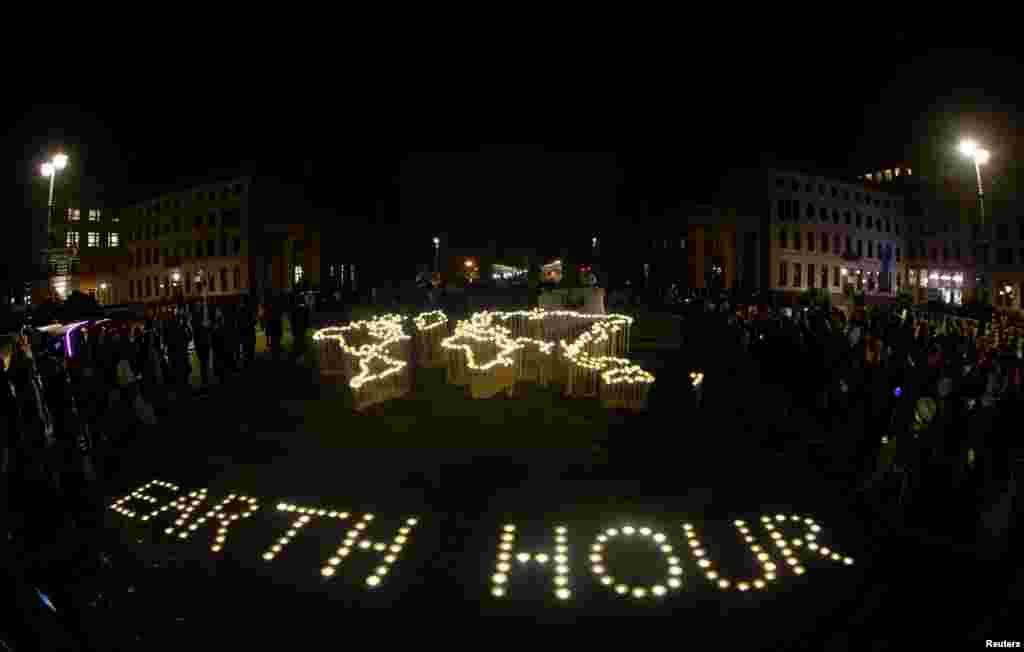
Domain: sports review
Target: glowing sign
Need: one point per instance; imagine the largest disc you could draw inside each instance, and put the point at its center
(790, 544)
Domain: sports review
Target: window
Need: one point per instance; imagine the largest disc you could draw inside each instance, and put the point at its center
(897, 254)
(810, 275)
(223, 246)
(824, 277)
(796, 241)
(94, 215)
(835, 244)
(834, 191)
(198, 222)
(167, 228)
(237, 276)
(1005, 256)
(896, 228)
(821, 189)
(209, 248)
(868, 222)
(888, 226)
(956, 250)
(783, 239)
(847, 218)
(810, 211)
(71, 239)
(860, 220)
(860, 247)
(783, 269)
(237, 188)
(871, 248)
(74, 215)
(156, 256)
(223, 279)
(945, 253)
(849, 250)
(797, 281)
(211, 218)
(177, 223)
(935, 254)
(131, 289)
(188, 283)
(212, 195)
(781, 209)
(1020, 255)
(298, 274)
(796, 185)
(1020, 231)
(148, 256)
(796, 209)
(780, 182)
(115, 239)
(824, 243)
(94, 239)
(835, 276)
(116, 219)
(237, 245)
(149, 287)
(810, 241)
(1003, 231)
(808, 187)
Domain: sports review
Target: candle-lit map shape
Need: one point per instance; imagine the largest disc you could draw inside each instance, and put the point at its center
(490, 353)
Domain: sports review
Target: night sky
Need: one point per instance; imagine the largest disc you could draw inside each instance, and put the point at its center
(663, 122)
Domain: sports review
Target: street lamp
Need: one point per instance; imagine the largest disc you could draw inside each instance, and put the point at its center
(103, 293)
(437, 254)
(980, 156)
(50, 169)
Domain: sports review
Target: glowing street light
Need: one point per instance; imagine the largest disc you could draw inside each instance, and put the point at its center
(469, 263)
(980, 156)
(50, 169)
(437, 254)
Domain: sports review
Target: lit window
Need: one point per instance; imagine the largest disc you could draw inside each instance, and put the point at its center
(115, 239)
(298, 274)
(71, 239)
(94, 215)
(74, 215)
(94, 239)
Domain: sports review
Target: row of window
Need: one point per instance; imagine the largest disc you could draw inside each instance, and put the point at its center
(888, 175)
(151, 255)
(918, 249)
(179, 224)
(228, 192)
(95, 215)
(72, 239)
(872, 278)
(883, 250)
(154, 286)
(837, 193)
(789, 210)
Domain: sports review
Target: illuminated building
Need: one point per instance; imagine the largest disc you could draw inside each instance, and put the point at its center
(825, 234)
(221, 240)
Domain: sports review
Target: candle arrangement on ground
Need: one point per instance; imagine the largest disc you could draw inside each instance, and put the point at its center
(431, 329)
(490, 353)
(375, 358)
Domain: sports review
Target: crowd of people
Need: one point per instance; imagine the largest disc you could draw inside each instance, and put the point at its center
(65, 413)
(921, 410)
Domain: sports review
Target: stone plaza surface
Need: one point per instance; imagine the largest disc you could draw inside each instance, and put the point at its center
(464, 469)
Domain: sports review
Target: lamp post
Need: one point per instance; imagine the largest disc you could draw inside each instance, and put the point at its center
(103, 293)
(50, 169)
(980, 156)
(437, 254)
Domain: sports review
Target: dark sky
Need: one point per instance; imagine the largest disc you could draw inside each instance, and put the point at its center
(674, 116)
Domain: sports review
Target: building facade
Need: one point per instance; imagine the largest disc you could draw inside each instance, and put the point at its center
(941, 260)
(246, 235)
(820, 233)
